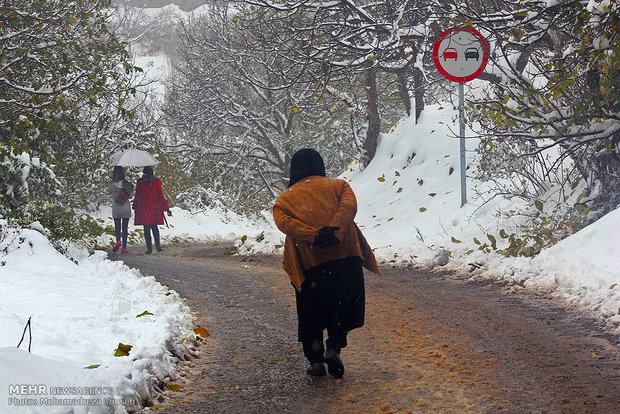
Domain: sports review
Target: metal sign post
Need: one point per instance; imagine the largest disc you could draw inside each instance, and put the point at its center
(461, 54)
(462, 143)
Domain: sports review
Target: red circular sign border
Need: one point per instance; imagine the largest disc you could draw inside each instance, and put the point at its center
(485, 56)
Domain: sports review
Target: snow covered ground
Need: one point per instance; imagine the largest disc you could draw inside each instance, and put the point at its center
(80, 313)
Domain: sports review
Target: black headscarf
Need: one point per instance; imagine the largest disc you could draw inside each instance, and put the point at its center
(118, 174)
(148, 175)
(305, 163)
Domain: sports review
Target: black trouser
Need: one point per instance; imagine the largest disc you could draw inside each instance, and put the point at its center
(147, 236)
(120, 228)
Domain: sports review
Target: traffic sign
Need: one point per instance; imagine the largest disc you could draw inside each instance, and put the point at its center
(461, 54)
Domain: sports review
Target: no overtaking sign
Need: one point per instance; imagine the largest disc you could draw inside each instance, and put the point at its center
(461, 54)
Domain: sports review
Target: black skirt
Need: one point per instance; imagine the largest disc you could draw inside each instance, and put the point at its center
(332, 297)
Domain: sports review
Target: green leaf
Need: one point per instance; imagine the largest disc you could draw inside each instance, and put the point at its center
(399, 190)
(391, 218)
(243, 238)
(580, 197)
(143, 314)
(382, 179)
(493, 241)
(539, 205)
(454, 240)
(122, 350)
(503, 234)
(613, 286)
(581, 207)
(432, 194)
(476, 241)
(422, 209)
(420, 182)
(92, 366)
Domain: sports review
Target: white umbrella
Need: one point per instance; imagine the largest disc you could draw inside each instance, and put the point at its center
(133, 158)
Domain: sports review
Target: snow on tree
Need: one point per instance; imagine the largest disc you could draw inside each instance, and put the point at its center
(66, 84)
(552, 107)
(235, 112)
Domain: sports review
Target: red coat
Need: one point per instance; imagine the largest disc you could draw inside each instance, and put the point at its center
(149, 203)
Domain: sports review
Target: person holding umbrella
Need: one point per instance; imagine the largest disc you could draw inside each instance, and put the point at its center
(121, 191)
(150, 204)
(324, 252)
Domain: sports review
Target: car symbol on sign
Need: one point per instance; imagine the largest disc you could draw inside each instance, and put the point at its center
(450, 53)
(472, 53)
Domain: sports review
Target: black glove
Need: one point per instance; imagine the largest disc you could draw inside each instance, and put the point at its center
(169, 213)
(326, 237)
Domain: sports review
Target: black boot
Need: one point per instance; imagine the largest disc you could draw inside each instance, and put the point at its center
(316, 370)
(335, 367)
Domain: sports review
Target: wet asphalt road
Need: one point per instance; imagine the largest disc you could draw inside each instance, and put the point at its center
(432, 343)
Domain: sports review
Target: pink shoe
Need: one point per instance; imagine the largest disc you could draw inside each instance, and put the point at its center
(116, 246)
(125, 251)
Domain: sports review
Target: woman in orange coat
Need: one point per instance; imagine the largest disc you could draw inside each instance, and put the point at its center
(324, 252)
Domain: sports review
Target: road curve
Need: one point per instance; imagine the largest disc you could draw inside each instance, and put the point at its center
(432, 343)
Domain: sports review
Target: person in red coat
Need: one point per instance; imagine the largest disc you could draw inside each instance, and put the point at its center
(150, 204)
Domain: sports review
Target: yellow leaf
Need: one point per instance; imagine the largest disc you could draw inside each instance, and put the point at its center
(174, 387)
(202, 332)
(182, 340)
(595, 355)
(455, 240)
(491, 143)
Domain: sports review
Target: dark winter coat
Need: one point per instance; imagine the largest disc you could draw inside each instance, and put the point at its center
(121, 208)
(149, 203)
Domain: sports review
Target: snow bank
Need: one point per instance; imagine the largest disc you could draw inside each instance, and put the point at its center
(583, 269)
(80, 312)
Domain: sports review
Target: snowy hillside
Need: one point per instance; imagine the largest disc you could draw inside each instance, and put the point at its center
(409, 207)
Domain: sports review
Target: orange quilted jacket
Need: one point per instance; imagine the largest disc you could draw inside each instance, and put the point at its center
(302, 209)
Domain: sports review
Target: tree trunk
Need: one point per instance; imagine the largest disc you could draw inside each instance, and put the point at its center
(403, 91)
(418, 92)
(374, 121)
